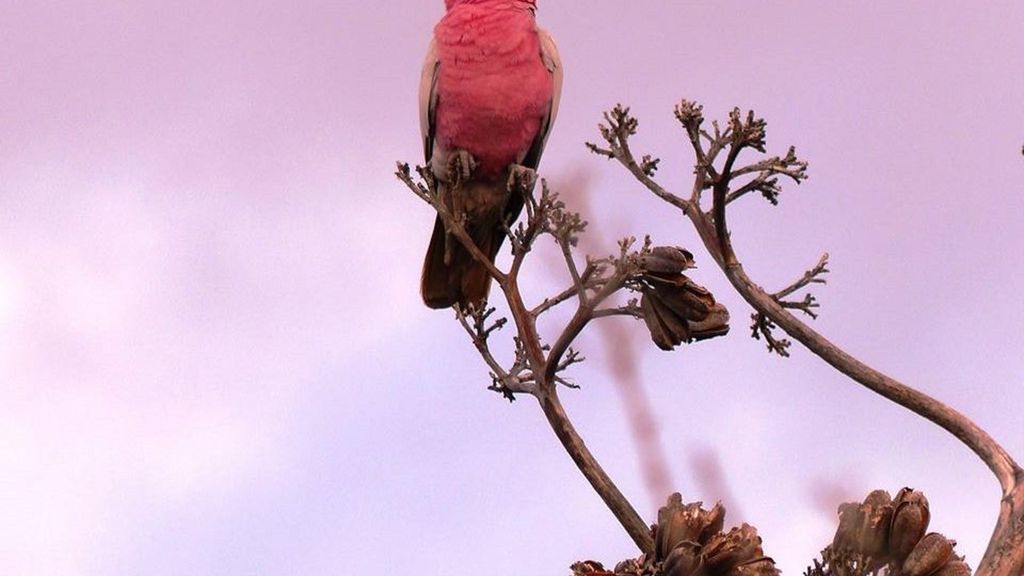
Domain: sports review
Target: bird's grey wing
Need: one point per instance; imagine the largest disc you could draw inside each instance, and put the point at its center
(549, 55)
(428, 99)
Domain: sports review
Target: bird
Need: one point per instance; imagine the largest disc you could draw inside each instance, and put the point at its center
(489, 93)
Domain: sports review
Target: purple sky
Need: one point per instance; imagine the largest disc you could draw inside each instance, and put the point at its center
(213, 358)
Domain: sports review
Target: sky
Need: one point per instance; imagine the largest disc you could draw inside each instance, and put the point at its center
(214, 360)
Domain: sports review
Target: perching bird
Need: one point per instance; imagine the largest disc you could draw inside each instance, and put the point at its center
(490, 89)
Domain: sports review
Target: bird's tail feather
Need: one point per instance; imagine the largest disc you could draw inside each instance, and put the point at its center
(462, 280)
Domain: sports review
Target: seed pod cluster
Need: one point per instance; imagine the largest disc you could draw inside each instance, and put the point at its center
(589, 568)
(689, 541)
(676, 309)
(894, 531)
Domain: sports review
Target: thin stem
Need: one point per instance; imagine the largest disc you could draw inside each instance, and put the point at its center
(574, 272)
(633, 311)
(566, 294)
(453, 225)
(584, 314)
(587, 464)
(812, 276)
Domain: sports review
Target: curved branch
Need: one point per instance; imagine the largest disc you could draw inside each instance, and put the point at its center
(979, 441)
(1005, 553)
(584, 314)
(715, 236)
(599, 480)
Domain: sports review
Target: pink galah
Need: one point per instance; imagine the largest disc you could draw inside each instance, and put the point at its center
(490, 89)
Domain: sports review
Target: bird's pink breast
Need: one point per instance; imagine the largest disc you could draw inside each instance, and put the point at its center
(493, 88)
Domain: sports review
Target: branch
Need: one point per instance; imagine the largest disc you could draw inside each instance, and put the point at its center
(537, 368)
(506, 382)
(1006, 549)
(454, 224)
(764, 327)
(616, 133)
(585, 311)
(585, 282)
(587, 464)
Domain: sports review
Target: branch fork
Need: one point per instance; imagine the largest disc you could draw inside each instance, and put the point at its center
(540, 368)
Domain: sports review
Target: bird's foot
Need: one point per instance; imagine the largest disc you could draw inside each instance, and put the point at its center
(461, 165)
(521, 179)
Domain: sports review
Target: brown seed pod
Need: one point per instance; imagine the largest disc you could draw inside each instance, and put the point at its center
(678, 522)
(685, 297)
(929, 555)
(740, 546)
(667, 259)
(667, 329)
(909, 522)
(761, 567)
(852, 519)
(864, 528)
(684, 560)
(716, 324)
(954, 568)
(872, 540)
(589, 567)
(630, 567)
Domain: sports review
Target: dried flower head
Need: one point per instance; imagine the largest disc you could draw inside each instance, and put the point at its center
(679, 523)
(909, 522)
(932, 553)
(676, 309)
(726, 552)
(589, 567)
(686, 559)
(864, 528)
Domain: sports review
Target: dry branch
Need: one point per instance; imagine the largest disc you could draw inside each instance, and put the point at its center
(1005, 554)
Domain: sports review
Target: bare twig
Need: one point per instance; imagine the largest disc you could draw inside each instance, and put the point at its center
(507, 382)
(632, 309)
(427, 191)
(585, 281)
(763, 326)
(812, 276)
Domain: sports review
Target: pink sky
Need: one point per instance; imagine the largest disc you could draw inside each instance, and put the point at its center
(213, 358)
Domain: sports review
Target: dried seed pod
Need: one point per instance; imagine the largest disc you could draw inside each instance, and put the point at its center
(690, 301)
(667, 259)
(671, 303)
(589, 568)
(878, 498)
(864, 528)
(851, 517)
(667, 330)
(678, 523)
(631, 567)
(725, 552)
(929, 555)
(954, 568)
(684, 560)
(716, 324)
(909, 522)
(761, 567)
(873, 536)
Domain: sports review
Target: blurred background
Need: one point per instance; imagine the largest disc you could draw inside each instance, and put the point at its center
(214, 360)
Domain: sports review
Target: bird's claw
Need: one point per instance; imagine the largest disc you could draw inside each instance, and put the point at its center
(461, 165)
(521, 178)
